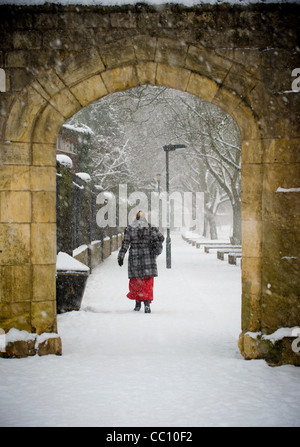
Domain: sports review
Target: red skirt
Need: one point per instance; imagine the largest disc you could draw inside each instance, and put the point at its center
(141, 289)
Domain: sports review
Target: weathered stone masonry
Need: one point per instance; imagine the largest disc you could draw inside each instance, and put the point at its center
(59, 59)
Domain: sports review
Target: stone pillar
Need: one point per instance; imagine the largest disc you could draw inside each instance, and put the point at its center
(28, 241)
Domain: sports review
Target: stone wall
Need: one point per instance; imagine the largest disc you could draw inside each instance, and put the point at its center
(59, 59)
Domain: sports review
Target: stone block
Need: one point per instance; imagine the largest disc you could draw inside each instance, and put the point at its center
(15, 315)
(19, 58)
(251, 206)
(114, 243)
(15, 207)
(44, 207)
(148, 20)
(95, 20)
(171, 52)
(106, 248)
(66, 103)
(118, 53)
(43, 316)
(30, 344)
(58, 39)
(43, 243)
(44, 284)
(14, 244)
(51, 345)
(120, 78)
(16, 284)
(266, 108)
(82, 255)
(123, 20)
(202, 87)
(23, 113)
(207, 63)
(43, 20)
(44, 154)
(48, 125)
(50, 83)
(282, 150)
(43, 178)
(252, 151)
(251, 311)
(120, 239)
(247, 121)
(249, 347)
(281, 175)
(172, 77)
(82, 66)
(252, 238)
(95, 253)
(19, 78)
(281, 207)
(281, 238)
(251, 178)
(227, 101)
(146, 73)
(27, 40)
(19, 349)
(238, 81)
(89, 90)
(144, 48)
(251, 275)
(14, 178)
(276, 352)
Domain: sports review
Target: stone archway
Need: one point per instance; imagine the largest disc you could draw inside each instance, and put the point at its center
(31, 130)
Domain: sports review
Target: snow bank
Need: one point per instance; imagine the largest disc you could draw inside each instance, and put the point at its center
(67, 263)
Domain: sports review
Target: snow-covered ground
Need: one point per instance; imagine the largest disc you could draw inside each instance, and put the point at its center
(178, 366)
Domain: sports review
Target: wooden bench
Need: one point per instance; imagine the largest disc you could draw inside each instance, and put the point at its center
(207, 248)
(212, 244)
(232, 257)
(221, 253)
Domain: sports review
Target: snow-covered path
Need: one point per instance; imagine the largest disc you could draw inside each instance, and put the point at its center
(178, 366)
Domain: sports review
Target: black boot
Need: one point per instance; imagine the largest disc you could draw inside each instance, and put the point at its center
(147, 307)
(137, 306)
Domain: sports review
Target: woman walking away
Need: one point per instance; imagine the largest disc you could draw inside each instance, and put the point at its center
(145, 244)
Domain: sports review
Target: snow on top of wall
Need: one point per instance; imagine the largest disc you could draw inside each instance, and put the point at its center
(64, 160)
(277, 335)
(84, 176)
(82, 128)
(14, 335)
(187, 3)
(67, 263)
(287, 189)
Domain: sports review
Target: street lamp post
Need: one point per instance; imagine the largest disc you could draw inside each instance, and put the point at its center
(168, 148)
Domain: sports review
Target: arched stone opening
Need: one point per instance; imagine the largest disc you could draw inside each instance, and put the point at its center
(31, 131)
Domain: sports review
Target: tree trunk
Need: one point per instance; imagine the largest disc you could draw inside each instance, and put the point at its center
(212, 225)
(237, 224)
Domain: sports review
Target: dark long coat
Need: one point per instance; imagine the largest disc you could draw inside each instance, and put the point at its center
(145, 244)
